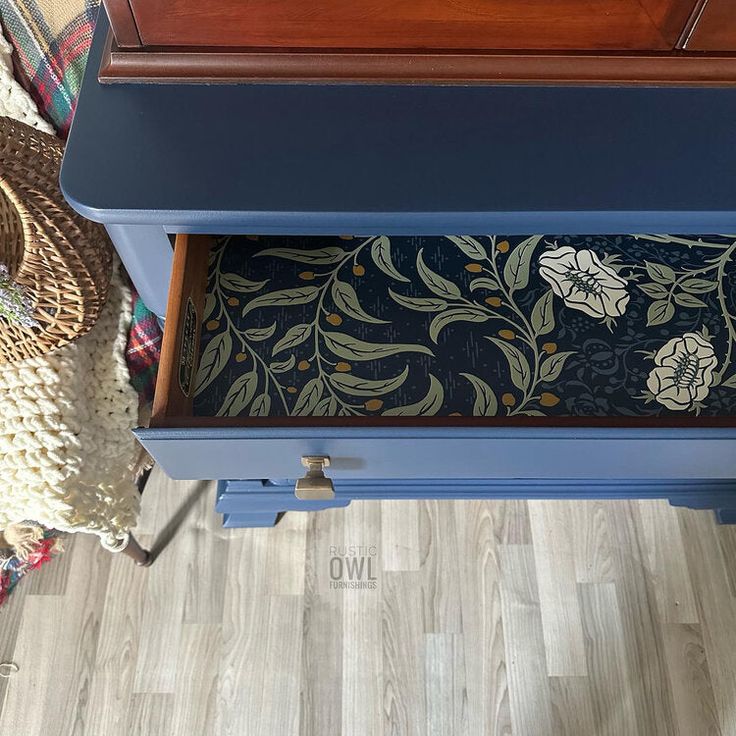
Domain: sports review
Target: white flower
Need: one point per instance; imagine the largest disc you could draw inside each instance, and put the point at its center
(584, 282)
(684, 372)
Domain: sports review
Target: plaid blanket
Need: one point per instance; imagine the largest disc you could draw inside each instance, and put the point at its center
(51, 39)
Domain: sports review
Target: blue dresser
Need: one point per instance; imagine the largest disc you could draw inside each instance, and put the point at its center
(402, 362)
(328, 369)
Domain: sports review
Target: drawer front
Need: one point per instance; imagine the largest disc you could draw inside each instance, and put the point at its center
(459, 453)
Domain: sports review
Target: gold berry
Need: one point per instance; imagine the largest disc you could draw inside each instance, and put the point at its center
(213, 324)
(503, 246)
(473, 267)
(507, 334)
(334, 319)
(233, 301)
(548, 399)
(358, 270)
(303, 365)
(508, 400)
(306, 275)
(343, 367)
(373, 404)
(494, 301)
(291, 390)
(240, 357)
(549, 347)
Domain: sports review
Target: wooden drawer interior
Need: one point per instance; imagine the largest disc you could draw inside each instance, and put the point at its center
(622, 331)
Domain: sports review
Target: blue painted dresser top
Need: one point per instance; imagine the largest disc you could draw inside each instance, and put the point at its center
(410, 160)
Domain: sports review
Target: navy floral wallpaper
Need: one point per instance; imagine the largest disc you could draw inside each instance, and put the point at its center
(547, 325)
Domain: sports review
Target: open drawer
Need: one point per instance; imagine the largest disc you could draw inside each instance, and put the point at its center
(551, 357)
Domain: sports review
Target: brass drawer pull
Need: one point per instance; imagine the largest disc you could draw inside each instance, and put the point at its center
(315, 486)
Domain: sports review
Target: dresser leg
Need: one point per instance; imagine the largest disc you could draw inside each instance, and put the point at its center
(147, 255)
(141, 557)
(256, 519)
(726, 516)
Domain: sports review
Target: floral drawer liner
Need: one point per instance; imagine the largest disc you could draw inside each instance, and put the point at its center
(548, 325)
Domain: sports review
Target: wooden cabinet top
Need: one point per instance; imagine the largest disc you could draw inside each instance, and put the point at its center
(566, 41)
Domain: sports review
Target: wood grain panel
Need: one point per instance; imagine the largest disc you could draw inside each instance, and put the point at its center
(480, 534)
(665, 559)
(715, 29)
(321, 673)
(558, 595)
(362, 654)
(412, 24)
(531, 708)
(404, 698)
(643, 630)
(614, 709)
(695, 706)
(445, 685)
(336, 662)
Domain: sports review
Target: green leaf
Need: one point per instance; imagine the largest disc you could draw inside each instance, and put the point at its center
(261, 406)
(419, 304)
(485, 282)
(283, 365)
(381, 254)
(213, 360)
(283, 298)
(346, 299)
(659, 272)
(357, 386)
(486, 404)
(730, 382)
(260, 333)
(309, 397)
(698, 286)
(350, 348)
(543, 315)
(470, 246)
(516, 270)
(428, 406)
(239, 395)
(660, 312)
(327, 407)
(552, 367)
(233, 282)
(533, 413)
(455, 314)
(210, 303)
(435, 283)
(518, 364)
(319, 256)
(294, 336)
(688, 300)
(654, 290)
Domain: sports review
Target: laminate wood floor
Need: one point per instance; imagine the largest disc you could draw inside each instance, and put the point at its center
(469, 618)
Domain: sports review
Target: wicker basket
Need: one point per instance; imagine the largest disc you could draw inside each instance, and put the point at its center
(62, 261)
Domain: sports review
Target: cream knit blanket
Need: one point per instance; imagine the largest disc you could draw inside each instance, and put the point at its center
(65, 418)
